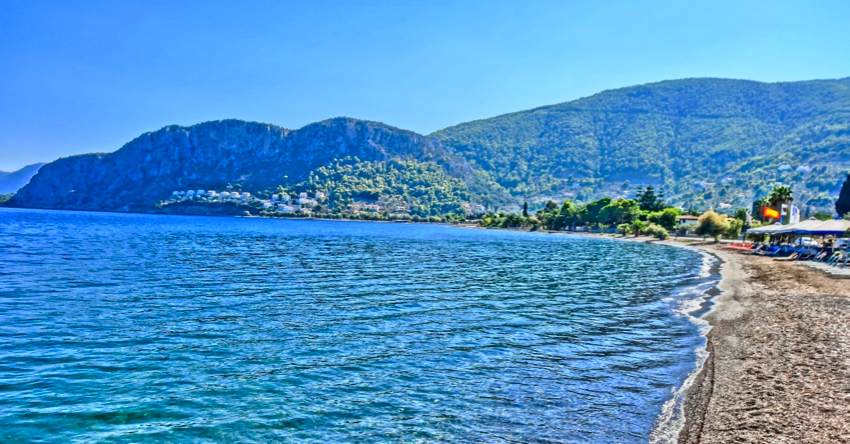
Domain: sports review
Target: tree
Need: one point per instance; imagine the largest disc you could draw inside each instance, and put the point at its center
(667, 218)
(759, 205)
(842, 205)
(733, 229)
(638, 226)
(592, 210)
(648, 200)
(711, 224)
(525, 209)
(781, 195)
(567, 216)
(619, 211)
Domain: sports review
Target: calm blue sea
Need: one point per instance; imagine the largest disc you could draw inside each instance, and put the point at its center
(125, 328)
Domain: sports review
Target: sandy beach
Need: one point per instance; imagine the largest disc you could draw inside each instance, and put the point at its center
(778, 369)
(779, 353)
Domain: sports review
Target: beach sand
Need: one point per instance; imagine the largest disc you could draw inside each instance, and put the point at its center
(779, 363)
(778, 369)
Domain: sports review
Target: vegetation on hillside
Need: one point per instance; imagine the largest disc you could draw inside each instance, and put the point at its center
(416, 188)
(702, 141)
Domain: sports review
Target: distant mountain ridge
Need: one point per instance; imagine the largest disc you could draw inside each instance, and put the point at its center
(676, 135)
(15, 180)
(213, 155)
(703, 142)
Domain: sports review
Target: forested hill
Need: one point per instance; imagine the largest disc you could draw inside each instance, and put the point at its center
(702, 141)
(214, 155)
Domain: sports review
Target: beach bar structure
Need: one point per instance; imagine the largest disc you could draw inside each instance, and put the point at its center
(811, 227)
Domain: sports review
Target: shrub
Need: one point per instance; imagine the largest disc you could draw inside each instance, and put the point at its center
(733, 231)
(624, 229)
(657, 231)
(711, 224)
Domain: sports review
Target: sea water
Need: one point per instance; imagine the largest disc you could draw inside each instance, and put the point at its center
(126, 328)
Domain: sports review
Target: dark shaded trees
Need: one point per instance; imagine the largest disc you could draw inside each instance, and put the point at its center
(842, 204)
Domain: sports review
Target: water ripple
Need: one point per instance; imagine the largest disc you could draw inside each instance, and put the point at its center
(132, 328)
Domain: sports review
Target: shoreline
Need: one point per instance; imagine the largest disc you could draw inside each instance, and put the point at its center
(776, 363)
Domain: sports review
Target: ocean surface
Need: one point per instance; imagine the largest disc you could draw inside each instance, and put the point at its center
(126, 328)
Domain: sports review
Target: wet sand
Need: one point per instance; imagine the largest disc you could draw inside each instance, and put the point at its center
(779, 363)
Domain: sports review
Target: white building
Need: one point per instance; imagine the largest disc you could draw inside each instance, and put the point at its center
(302, 195)
(212, 193)
(285, 198)
(306, 201)
(284, 209)
(372, 207)
(246, 196)
(275, 197)
(320, 195)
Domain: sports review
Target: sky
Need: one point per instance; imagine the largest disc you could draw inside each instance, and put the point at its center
(80, 77)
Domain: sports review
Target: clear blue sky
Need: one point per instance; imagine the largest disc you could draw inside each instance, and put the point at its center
(79, 77)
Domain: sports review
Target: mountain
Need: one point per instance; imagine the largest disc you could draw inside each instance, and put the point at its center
(214, 155)
(11, 182)
(702, 141)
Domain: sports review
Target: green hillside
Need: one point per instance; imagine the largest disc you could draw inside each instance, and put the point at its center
(703, 142)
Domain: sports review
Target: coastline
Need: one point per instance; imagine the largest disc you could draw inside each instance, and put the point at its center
(776, 363)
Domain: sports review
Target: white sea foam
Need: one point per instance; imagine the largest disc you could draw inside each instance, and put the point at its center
(686, 303)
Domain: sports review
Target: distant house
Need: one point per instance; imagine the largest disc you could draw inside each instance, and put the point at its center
(245, 196)
(320, 195)
(212, 193)
(302, 195)
(307, 201)
(479, 209)
(284, 209)
(371, 207)
(685, 218)
(275, 197)
(267, 205)
(724, 205)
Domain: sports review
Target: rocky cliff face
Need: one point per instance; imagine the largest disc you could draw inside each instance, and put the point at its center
(213, 154)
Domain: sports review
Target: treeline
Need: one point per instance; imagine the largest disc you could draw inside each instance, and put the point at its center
(647, 214)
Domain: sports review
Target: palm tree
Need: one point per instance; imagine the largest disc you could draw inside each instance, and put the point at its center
(759, 207)
(781, 195)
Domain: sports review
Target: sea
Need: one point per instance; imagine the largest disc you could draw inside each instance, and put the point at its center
(130, 328)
